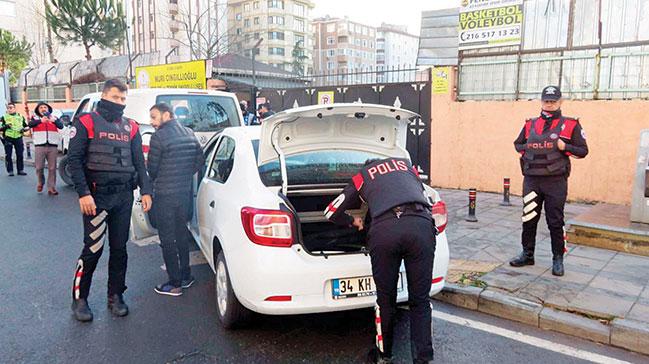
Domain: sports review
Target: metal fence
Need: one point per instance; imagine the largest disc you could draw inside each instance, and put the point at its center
(48, 94)
(593, 49)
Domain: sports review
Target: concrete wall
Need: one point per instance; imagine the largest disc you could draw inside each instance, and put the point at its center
(472, 145)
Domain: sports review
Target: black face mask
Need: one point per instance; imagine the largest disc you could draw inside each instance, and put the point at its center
(110, 110)
(550, 115)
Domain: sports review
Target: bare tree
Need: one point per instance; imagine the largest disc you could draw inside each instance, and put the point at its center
(202, 30)
(46, 49)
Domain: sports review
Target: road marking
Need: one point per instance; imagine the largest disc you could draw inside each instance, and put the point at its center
(147, 241)
(527, 339)
(196, 257)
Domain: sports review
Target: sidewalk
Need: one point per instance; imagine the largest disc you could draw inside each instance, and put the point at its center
(604, 295)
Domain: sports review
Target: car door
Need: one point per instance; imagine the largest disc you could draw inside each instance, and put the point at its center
(211, 188)
(196, 183)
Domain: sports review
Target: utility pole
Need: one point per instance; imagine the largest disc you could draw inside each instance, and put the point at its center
(253, 99)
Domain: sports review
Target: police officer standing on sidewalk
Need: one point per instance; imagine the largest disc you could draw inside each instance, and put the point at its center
(106, 163)
(402, 228)
(545, 144)
(174, 157)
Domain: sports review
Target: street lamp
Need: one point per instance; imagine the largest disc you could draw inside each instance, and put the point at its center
(254, 76)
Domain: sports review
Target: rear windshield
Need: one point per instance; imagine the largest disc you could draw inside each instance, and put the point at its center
(318, 167)
(203, 113)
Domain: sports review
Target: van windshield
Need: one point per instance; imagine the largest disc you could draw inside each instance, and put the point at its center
(317, 167)
(203, 113)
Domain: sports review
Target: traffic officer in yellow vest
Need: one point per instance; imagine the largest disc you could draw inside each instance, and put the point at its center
(13, 125)
(546, 144)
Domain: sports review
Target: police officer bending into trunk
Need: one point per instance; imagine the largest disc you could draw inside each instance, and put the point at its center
(545, 144)
(107, 164)
(402, 228)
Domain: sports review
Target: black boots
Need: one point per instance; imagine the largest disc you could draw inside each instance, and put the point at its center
(81, 310)
(117, 306)
(524, 258)
(557, 265)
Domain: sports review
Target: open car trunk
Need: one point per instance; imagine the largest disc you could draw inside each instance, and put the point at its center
(317, 234)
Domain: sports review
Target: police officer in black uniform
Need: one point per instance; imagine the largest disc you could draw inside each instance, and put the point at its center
(546, 144)
(402, 228)
(107, 163)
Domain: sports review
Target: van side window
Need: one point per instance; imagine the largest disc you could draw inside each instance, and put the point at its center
(82, 106)
(223, 161)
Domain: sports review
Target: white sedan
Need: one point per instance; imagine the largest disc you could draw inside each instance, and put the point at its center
(259, 209)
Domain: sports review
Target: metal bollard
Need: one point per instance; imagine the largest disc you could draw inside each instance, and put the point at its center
(506, 185)
(472, 198)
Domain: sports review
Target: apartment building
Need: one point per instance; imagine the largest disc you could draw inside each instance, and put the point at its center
(343, 46)
(182, 30)
(395, 47)
(284, 27)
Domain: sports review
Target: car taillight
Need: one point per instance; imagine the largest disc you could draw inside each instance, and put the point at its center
(268, 227)
(440, 214)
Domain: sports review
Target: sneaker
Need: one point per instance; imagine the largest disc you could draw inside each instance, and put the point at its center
(81, 310)
(557, 266)
(11, 174)
(117, 306)
(186, 283)
(21, 173)
(524, 258)
(168, 289)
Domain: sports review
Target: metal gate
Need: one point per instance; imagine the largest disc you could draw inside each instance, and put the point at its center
(413, 96)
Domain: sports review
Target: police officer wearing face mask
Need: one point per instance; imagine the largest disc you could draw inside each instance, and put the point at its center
(106, 163)
(546, 144)
(402, 229)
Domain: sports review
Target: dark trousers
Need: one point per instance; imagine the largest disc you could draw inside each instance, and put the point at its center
(410, 238)
(172, 215)
(537, 191)
(11, 144)
(113, 219)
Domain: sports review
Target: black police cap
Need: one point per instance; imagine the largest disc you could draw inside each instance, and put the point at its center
(551, 93)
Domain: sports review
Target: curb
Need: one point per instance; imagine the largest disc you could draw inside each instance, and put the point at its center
(624, 333)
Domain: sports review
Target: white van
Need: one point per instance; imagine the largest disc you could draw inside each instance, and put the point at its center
(204, 111)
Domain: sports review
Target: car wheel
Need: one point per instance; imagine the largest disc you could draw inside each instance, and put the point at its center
(231, 312)
(64, 171)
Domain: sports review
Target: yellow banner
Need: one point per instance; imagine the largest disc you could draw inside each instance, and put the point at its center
(174, 75)
(440, 80)
(325, 97)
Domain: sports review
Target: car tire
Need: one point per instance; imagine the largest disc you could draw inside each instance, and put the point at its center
(64, 171)
(231, 312)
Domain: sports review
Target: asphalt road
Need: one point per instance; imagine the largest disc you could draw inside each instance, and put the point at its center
(40, 239)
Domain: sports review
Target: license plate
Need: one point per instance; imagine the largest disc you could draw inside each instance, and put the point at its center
(357, 287)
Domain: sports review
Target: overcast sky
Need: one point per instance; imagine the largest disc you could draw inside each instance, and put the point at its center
(374, 12)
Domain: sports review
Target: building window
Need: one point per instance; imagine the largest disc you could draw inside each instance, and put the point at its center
(372, 44)
(331, 52)
(256, 35)
(364, 43)
(152, 34)
(357, 42)
(246, 23)
(248, 52)
(343, 39)
(239, 31)
(256, 20)
(246, 7)
(238, 16)
(331, 65)
(276, 20)
(255, 5)
(276, 4)
(371, 32)
(276, 35)
(276, 51)
(299, 10)
(341, 51)
(365, 31)
(248, 36)
(331, 40)
(299, 25)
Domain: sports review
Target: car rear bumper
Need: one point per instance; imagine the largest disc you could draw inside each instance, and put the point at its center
(266, 285)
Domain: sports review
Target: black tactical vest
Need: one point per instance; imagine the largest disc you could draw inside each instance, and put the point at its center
(542, 155)
(109, 146)
(389, 183)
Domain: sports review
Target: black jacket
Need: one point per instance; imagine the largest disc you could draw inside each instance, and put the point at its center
(174, 156)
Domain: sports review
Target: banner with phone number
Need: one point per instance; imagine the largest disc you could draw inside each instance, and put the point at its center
(490, 23)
